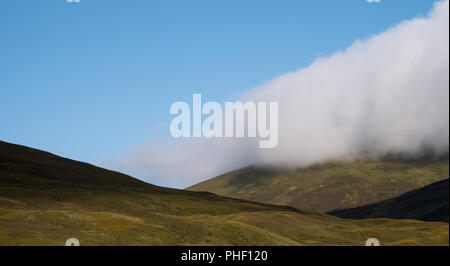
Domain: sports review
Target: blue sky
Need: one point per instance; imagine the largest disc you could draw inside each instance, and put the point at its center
(90, 80)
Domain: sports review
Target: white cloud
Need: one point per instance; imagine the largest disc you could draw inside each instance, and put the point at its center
(387, 94)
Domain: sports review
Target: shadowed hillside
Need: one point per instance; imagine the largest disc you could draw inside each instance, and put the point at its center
(329, 186)
(429, 203)
(46, 199)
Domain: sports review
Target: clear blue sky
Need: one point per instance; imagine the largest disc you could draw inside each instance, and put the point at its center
(90, 80)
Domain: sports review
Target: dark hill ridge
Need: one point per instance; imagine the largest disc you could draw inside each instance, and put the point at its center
(429, 203)
(329, 186)
(47, 168)
(46, 199)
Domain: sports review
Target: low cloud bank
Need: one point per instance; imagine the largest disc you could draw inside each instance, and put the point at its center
(388, 94)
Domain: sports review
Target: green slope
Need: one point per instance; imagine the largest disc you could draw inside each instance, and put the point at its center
(46, 199)
(330, 186)
(429, 203)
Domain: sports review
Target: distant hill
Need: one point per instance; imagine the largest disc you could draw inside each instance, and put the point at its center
(46, 199)
(329, 186)
(429, 203)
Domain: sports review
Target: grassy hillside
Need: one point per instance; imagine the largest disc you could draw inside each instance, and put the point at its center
(46, 199)
(429, 203)
(329, 186)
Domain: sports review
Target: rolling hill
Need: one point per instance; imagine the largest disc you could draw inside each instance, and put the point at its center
(328, 186)
(429, 203)
(46, 199)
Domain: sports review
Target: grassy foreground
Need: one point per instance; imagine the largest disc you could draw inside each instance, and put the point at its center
(46, 199)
